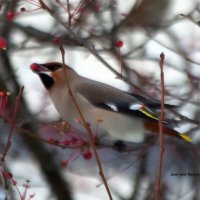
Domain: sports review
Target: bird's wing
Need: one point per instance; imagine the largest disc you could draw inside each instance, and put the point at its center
(110, 98)
(151, 103)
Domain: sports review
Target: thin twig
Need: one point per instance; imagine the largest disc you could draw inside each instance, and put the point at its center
(161, 119)
(16, 108)
(86, 126)
(86, 45)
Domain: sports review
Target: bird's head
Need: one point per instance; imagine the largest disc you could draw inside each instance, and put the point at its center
(52, 73)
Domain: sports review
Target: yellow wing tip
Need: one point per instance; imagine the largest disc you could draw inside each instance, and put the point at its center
(148, 113)
(185, 137)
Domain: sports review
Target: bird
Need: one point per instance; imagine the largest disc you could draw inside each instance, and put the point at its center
(146, 14)
(118, 114)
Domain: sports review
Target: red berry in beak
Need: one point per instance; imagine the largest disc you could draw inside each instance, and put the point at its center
(38, 68)
(35, 67)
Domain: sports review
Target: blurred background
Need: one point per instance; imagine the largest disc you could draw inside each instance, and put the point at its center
(118, 42)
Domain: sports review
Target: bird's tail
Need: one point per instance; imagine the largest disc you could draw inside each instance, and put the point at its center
(154, 127)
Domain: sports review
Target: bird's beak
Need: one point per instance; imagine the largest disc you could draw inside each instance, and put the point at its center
(38, 68)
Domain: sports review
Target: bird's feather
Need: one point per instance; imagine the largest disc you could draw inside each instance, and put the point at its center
(109, 98)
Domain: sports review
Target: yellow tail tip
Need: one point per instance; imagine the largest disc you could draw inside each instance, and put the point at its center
(185, 137)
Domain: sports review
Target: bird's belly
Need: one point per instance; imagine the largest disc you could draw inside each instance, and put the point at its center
(120, 126)
(117, 126)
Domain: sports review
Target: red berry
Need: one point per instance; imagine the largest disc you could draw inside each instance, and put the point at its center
(35, 67)
(3, 43)
(87, 154)
(119, 44)
(10, 15)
